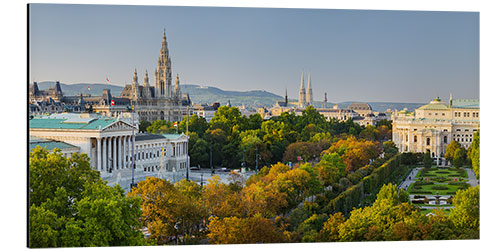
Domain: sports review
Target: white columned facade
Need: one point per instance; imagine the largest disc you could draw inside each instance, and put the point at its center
(124, 151)
(104, 154)
(99, 155)
(114, 153)
(120, 151)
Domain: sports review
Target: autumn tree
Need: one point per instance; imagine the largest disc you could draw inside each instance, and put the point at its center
(234, 230)
(220, 200)
(330, 229)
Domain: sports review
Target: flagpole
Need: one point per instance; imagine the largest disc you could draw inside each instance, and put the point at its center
(187, 144)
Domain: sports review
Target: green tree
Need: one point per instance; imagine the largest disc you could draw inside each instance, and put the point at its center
(199, 153)
(465, 215)
(331, 168)
(143, 125)
(459, 157)
(450, 150)
(70, 206)
(389, 149)
(474, 154)
(427, 160)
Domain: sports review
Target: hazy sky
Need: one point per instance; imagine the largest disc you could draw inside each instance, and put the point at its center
(400, 56)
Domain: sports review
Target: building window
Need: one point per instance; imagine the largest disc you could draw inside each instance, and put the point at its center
(415, 139)
(458, 130)
(445, 139)
(445, 130)
(428, 141)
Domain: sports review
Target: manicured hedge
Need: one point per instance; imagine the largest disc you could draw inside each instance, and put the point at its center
(388, 172)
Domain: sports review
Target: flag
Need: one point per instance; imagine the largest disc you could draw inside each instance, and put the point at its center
(112, 102)
(175, 124)
(107, 80)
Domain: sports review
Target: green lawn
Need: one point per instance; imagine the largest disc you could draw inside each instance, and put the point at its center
(433, 189)
(442, 172)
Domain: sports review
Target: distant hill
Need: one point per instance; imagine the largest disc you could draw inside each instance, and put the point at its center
(77, 88)
(199, 94)
(202, 94)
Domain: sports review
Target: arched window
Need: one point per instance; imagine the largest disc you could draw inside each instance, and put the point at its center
(428, 141)
(445, 139)
(415, 138)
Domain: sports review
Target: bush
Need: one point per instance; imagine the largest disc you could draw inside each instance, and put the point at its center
(440, 187)
(424, 192)
(417, 187)
(418, 196)
(418, 201)
(442, 172)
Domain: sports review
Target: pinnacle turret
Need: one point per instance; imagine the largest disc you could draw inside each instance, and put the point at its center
(146, 79)
(134, 79)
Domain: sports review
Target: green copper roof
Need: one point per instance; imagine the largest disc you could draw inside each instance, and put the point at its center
(466, 103)
(54, 123)
(48, 144)
(172, 136)
(434, 105)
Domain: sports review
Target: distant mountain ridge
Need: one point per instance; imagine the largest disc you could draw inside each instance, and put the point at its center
(208, 94)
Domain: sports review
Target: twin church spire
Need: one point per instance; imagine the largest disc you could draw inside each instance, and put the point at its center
(305, 97)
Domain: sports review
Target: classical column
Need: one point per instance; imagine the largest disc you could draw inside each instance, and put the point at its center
(99, 154)
(114, 153)
(125, 152)
(130, 150)
(104, 154)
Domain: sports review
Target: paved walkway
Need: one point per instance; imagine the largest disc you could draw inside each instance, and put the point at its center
(409, 179)
(472, 178)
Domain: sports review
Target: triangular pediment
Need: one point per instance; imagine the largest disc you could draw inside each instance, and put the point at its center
(117, 126)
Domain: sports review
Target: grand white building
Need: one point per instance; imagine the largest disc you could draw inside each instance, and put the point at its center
(433, 126)
(108, 143)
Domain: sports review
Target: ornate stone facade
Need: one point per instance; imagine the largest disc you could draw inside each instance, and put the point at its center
(433, 126)
(161, 101)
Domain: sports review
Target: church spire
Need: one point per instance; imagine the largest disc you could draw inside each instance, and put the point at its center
(302, 92)
(309, 95)
(134, 79)
(146, 79)
(177, 88)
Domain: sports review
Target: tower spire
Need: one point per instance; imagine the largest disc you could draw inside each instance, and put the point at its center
(309, 95)
(302, 91)
(146, 79)
(134, 79)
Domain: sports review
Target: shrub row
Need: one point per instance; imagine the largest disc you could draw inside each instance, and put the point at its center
(439, 187)
(388, 172)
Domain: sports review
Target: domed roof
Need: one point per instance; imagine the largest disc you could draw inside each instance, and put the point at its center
(435, 104)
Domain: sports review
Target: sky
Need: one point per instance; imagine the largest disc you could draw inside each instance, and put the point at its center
(352, 55)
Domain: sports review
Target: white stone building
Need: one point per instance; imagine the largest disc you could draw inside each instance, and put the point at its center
(433, 126)
(108, 143)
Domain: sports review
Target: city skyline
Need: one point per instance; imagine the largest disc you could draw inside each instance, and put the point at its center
(394, 56)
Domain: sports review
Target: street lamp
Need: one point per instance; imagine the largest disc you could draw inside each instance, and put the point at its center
(187, 144)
